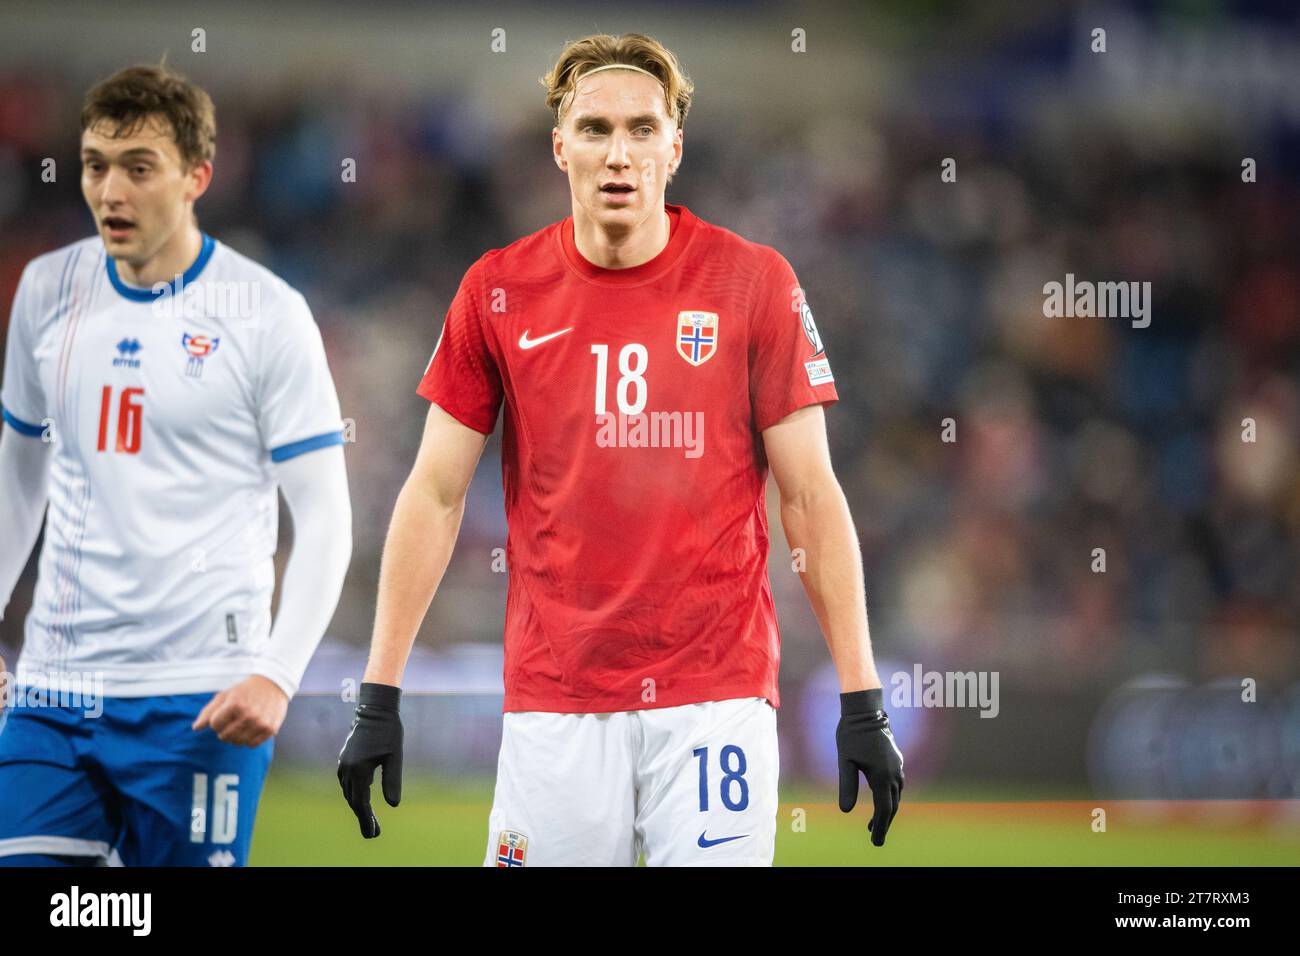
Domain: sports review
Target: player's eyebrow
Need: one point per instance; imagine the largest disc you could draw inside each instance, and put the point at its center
(644, 119)
(140, 152)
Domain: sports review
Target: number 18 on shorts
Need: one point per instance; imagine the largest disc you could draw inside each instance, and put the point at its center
(693, 785)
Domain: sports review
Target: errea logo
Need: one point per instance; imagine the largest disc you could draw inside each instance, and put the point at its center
(127, 349)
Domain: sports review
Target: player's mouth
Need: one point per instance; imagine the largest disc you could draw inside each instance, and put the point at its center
(119, 227)
(618, 193)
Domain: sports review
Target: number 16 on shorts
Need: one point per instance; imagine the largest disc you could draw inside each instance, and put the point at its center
(224, 804)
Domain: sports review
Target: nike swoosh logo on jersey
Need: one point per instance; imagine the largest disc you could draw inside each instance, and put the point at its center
(526, 343)
(705, 843)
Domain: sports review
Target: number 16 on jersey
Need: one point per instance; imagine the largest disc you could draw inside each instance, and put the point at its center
(130, 418)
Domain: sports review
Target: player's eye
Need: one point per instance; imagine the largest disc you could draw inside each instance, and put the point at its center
(648, 129)
(140, 169)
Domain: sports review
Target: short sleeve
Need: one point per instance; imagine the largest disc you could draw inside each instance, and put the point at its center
(22, 397)
(463, 377)
(298, 408)
(788, 368)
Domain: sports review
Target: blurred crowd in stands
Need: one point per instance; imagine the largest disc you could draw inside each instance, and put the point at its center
(1078, 443)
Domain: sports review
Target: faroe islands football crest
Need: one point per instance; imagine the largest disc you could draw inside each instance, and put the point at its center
(198, 347)
(697, 336)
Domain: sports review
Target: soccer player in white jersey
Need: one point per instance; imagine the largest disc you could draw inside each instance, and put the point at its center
(652, 366)
(158, 388)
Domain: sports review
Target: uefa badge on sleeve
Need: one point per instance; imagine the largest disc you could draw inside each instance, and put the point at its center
(810, 329)
(511, 848)
(819, 368)
(697, 336)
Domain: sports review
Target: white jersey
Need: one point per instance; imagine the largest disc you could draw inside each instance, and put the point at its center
(165, 409)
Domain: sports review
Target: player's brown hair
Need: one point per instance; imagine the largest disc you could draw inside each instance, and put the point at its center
(129, 97)
(634, 49)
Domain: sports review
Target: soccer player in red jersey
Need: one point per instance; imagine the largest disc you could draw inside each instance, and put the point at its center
(652, 367)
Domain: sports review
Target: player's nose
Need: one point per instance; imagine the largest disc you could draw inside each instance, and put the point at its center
(112, 187)
(618, 157)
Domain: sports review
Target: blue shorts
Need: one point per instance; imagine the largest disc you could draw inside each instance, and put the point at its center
(133, 783)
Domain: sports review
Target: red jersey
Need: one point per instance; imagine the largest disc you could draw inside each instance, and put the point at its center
(632, 458)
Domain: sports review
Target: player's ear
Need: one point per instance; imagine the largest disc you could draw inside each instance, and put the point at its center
(557, 149)
(200, 178)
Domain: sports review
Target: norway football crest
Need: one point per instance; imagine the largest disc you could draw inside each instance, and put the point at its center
(697, 336)
(198, 347)
(511, 848)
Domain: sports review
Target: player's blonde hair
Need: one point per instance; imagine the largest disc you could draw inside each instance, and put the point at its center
(633, 49)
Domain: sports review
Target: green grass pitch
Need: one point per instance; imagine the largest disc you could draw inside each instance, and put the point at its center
(303, 821)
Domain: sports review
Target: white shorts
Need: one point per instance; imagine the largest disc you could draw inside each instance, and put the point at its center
(694, 785)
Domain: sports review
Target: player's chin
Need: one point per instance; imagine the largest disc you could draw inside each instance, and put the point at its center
(620, 215)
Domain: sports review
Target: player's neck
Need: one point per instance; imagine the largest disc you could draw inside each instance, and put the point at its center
(620, 250)
(171, 260)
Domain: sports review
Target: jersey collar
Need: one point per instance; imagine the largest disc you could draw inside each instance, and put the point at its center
(682, 223)
(136, 294)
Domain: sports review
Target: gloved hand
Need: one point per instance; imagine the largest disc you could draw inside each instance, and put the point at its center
(865, 742)
(374, 740)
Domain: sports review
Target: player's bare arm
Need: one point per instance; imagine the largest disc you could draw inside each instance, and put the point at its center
(420, 540)
(421, 535)
(816, 519)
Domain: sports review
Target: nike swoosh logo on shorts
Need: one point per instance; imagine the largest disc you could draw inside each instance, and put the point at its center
(705, 843)
(526, 343)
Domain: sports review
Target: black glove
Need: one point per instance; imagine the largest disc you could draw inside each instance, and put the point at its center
(865, 742)
(374, 740)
